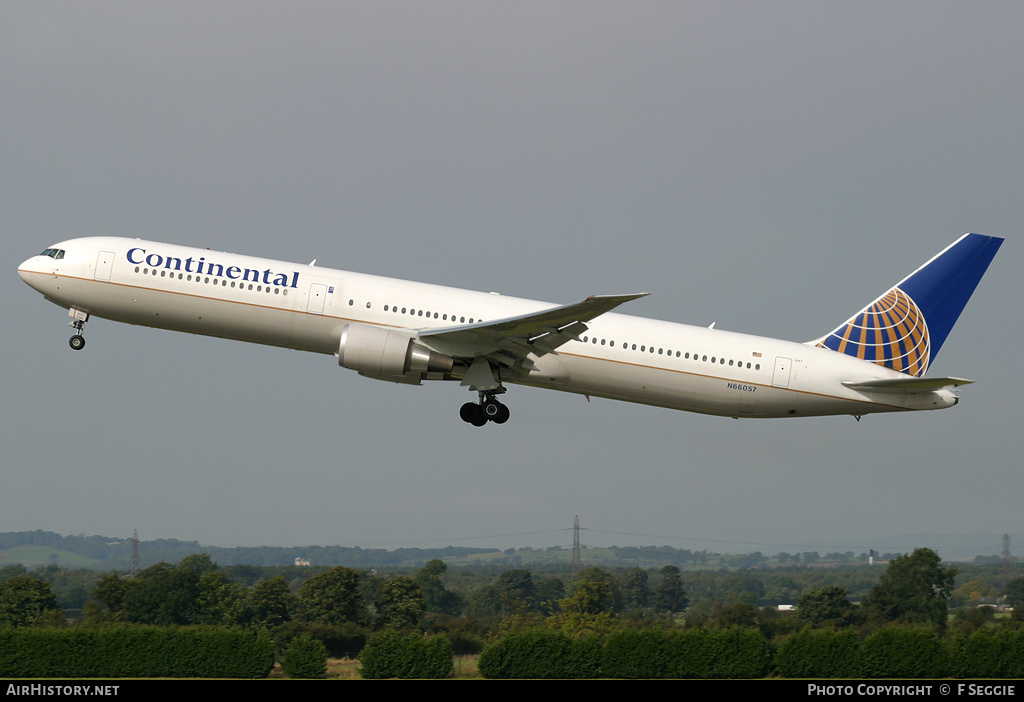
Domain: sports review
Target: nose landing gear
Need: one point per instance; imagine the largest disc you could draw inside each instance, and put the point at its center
(79, 318)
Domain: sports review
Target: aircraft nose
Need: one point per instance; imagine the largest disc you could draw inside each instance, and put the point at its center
(23, 269)
(29, 271)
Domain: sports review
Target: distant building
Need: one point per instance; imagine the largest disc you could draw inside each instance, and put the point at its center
(302, 562)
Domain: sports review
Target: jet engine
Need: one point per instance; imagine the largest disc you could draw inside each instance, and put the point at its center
(379, 351)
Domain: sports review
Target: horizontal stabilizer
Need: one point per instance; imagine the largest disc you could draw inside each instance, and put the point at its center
(905, 385)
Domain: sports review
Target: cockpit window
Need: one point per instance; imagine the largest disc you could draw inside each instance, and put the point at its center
(53, 253)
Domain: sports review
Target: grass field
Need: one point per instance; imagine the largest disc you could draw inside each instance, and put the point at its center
(348, 669)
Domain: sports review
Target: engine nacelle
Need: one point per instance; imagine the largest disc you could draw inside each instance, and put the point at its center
(379, 351)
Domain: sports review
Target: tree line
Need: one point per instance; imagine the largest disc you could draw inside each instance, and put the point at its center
(116, 552)
(113, 553)
(343, 607)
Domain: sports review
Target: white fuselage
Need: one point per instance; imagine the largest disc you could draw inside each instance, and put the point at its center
(305, 307)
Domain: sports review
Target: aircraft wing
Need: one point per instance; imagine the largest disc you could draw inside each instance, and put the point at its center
(909, 384)
(509, 341)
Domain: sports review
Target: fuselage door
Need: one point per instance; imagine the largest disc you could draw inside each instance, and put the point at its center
(780, 378)
(317, 297)
(104, 264)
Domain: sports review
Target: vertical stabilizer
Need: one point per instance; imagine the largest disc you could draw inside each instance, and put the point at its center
(905, 328)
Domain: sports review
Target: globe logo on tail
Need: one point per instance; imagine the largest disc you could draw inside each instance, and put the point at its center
(891, 332)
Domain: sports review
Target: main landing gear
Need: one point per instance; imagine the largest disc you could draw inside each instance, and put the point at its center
(488, 409)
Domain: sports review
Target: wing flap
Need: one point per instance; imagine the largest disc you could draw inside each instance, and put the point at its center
(509, 341)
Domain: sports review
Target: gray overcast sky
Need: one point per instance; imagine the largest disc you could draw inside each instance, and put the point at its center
(771, 167)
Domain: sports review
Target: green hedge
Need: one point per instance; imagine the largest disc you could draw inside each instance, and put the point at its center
(305, 658)
(629, 654)
(209, 652)
(686, 653)
(903, 652)
(818, 653)
(991, 654)
(137, 652)
(900, 652)
(541, 654)
(892, 652)
(413, 656)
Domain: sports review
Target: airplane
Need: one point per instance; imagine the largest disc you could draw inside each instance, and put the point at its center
(408, 332)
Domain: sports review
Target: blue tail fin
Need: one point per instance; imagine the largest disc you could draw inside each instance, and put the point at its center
(905, 328)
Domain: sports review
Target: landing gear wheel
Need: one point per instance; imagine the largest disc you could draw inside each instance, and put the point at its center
(495, 411)
(472, 413)
(77, 342)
